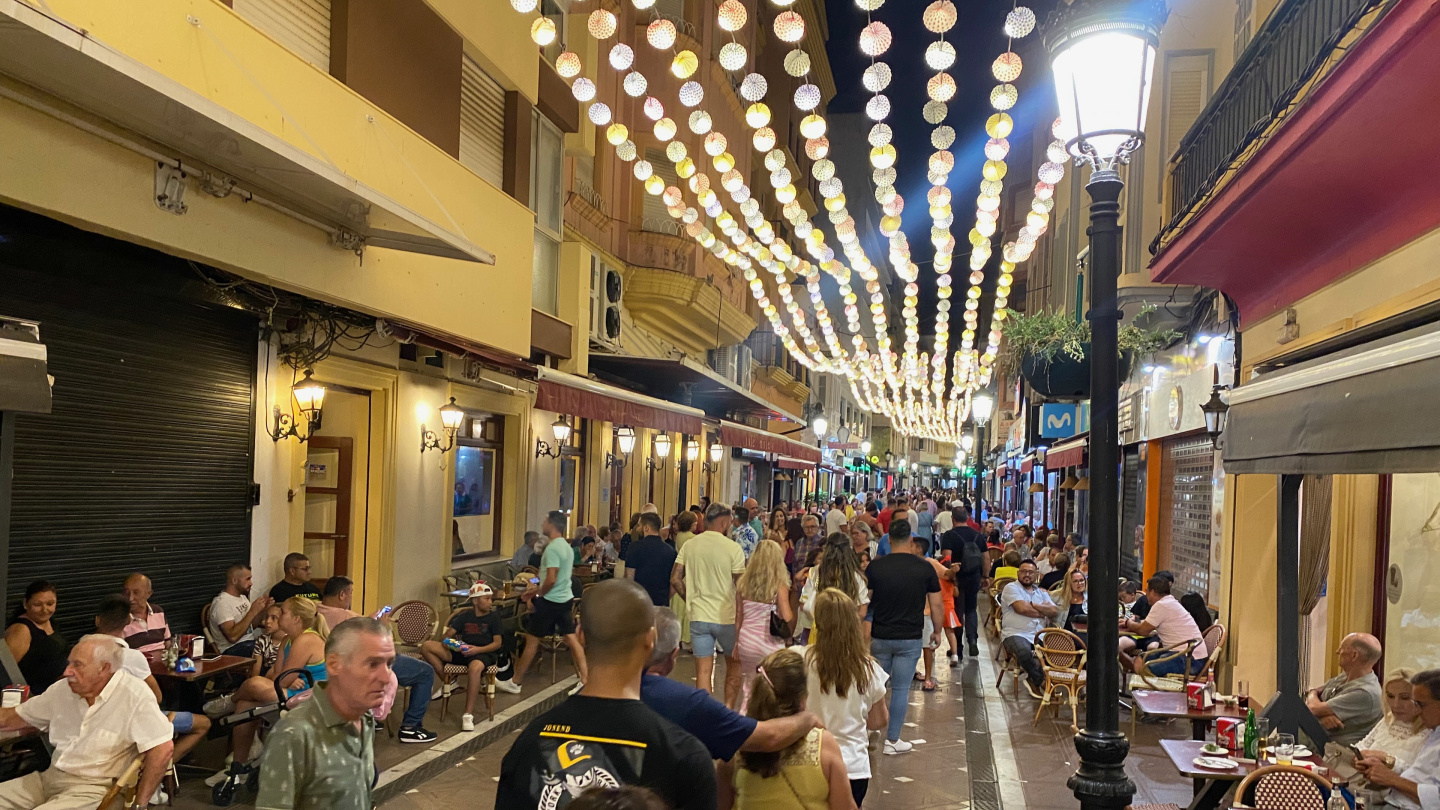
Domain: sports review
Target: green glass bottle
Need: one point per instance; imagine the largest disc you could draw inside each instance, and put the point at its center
(1252, 735)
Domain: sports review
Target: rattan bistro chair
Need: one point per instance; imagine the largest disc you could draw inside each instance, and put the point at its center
(1214, 637)
(1145, 678)
(1062, 656)
(1283, 787)
(415, 623)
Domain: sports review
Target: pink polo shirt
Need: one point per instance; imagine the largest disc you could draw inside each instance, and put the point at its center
(149, 632)
(1174, 625)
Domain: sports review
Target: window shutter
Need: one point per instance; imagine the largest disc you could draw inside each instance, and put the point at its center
(674, 9)
(1187, 88)
(656, 218)
(482, 122)
(302, 26)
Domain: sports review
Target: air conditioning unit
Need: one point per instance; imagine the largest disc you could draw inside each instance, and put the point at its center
(722, 361)
(606, 288)
(744, 359)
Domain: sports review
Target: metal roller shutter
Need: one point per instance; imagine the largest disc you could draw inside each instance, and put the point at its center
(1132, 516)
(302, 26)
(482, 122)
(145, 463)
(1185, 505)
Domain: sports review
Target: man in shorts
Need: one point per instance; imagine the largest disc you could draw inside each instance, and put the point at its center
(480, 633)
(704, 574)
(551, 600)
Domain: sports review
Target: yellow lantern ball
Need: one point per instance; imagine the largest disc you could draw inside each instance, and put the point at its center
(685, 64)
(723, 162)
(883, 157)
(685, 168)
(994, 170)
(757, 115)
(617, 134)
(654, 184)
(812, 126)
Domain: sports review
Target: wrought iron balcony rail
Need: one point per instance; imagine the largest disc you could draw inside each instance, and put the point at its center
(1299, 40)
(660, 225)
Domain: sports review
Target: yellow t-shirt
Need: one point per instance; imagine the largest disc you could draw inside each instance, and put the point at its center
(711, 562)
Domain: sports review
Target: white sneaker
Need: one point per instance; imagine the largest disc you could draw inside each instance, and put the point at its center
(954, 661)
(508, 686)
(221, 706)
(467, 722)
(160, 797)
(893, 747)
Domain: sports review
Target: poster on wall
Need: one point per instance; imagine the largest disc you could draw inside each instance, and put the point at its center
(1412, 617)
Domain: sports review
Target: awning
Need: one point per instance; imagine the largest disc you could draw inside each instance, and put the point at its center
(683, 380)
(1365, 410)
(1027, 464)
(733, 435)
(1067, 454)
(578, 396)
(24, 382)
(54, 57)
(787, 463)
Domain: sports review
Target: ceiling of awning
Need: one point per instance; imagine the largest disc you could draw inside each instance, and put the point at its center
(687, 382)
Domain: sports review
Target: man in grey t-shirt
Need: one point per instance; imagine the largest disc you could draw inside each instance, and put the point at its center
(1351, 703)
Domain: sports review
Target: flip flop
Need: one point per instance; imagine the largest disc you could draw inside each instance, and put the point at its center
(919, 677)
(928, 687)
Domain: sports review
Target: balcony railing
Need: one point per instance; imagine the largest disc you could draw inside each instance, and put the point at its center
(660, 225)
(1297, 43)
(588, 193)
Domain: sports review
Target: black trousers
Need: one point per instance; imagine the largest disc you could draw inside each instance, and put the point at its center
(967, 602)
(858, 789)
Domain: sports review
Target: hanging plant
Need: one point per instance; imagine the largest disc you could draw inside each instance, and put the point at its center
(1052, 349)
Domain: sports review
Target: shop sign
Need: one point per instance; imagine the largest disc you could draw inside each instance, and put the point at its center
(839, 445)
(1059, 420)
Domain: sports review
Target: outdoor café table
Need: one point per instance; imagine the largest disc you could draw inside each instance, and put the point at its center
(1173, 704)
(1211, 786)
(186, 689)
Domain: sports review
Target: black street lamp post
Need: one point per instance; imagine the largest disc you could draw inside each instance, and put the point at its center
(1102, 53)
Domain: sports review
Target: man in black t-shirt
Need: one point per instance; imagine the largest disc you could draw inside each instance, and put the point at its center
(296, 581)
(901, 583)
(650, 561)
(966, 548)
(604, 736)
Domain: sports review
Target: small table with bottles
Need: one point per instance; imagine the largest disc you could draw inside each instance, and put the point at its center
(1212, 785)
(1174, 704)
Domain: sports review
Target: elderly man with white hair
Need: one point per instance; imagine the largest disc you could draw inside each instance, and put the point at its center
(120, 719)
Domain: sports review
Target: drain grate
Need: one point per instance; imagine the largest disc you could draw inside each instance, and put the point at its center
(979, 754)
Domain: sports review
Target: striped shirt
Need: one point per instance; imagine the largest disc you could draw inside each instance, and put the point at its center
(149, 632)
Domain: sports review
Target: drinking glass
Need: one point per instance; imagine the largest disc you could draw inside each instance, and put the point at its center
(1242, 692)
(1262, 734)
(1284, 749)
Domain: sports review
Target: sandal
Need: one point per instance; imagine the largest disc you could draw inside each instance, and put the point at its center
(928, 687)
(919, 677)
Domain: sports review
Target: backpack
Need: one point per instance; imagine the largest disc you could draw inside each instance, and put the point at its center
(972, 555)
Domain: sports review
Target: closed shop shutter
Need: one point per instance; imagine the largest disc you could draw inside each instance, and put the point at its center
(302, 26)
(1132, 516)
(1187, 468)
(482, 122)
(145, 463)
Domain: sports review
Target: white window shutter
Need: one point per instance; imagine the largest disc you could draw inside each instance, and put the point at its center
(1187, 89)
(482, 122)
(655, 217)
(302, 26)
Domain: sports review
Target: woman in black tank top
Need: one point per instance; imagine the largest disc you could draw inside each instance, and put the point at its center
(38, 649)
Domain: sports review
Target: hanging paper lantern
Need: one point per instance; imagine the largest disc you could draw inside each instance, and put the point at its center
(731, 15)
(875, 39)
(568, 65)
(700, 184)
(934, 112)
(869, 5)
(789, 26)
(812, 126)
(807, 97)
(878, 107)
(542, 31)
(775, 159)
(617, 134)
(665, 129)
(1019, 22)
(942, 137)
(940, 55)
(883, 157)
(1007, 67)
(941, 87)
(881, 134)
(1051, 173)
(1056, 152)
(691, 94)
(672, 196)
(876, 77)
(997, 149)
(1004, 96)
(676, 151)
(715, 143)
(634, 84)
(700, 122)
(994, 170)
(797, 63)
(733, 56)
(940, 16)
(653, 108)
(599, 114)
(643, 4)
(757, 115)
(626, 151)
(602, 24)
(999, 125)
(753, 87)
(685, 168)
(654, 185)
(583, 89)
(823, 170)
(524, 6)
(763, 139)
(660, 34)
(643, 170)
(622, 56)
(685, 64)
(817, 148)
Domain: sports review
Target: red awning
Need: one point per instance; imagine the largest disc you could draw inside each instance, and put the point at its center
(1067, 454)
(578, 396)
(785, 463)
(733, 435)
(1027, 465)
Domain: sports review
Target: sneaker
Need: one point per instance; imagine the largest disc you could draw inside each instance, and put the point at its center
(160, 797)
(222, 706)
(1035, 693)
(893, 747)
(417, 735)
(508, 686)
(974, 650)
(467, 722)
(954, 661)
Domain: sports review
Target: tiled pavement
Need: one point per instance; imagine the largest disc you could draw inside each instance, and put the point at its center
(1013, 763)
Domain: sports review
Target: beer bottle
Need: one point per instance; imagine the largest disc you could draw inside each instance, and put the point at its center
(1252, 735)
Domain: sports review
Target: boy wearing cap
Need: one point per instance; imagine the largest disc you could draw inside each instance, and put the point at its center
(478, 630)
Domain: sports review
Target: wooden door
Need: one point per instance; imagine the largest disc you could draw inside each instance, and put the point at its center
(328, 487)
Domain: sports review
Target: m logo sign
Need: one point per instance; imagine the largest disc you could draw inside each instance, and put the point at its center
(1058, 420)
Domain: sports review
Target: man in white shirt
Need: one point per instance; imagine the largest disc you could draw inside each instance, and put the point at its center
(234, 619)
(120, 719)
(1026, 609)
(835, 519)
(1169, 621)
(945, 521)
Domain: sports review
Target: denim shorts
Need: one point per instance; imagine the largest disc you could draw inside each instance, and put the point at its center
(1176, 666)
(707, 637)
(184, 722)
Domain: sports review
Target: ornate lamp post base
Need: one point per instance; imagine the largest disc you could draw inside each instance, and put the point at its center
(1100, 783)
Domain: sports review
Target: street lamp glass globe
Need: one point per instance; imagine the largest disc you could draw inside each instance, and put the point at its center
(865, 446)
(821, 427)
(982, 406)
(561, 428)
(692, 450)
(662, 445)
(1102, 82)
(625, 435)
(717, 451)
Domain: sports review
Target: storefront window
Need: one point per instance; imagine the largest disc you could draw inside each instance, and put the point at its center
(475, 522)
(1412, 579)
(572, 469)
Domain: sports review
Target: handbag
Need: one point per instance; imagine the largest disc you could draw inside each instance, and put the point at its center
(779, 628)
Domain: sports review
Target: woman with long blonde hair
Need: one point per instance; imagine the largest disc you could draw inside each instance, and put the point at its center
(1401, 733)
(847, 685)
(763, 589)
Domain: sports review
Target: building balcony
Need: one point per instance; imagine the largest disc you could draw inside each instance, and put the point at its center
(1302, 167)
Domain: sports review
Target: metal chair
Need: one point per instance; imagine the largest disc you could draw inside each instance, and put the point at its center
(1062, 656)
(415, 623)
(1283, 787)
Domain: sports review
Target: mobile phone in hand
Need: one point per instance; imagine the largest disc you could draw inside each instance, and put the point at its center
(383, 612)
(534, 580)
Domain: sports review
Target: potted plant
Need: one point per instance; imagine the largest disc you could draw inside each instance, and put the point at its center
(1052, 350)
